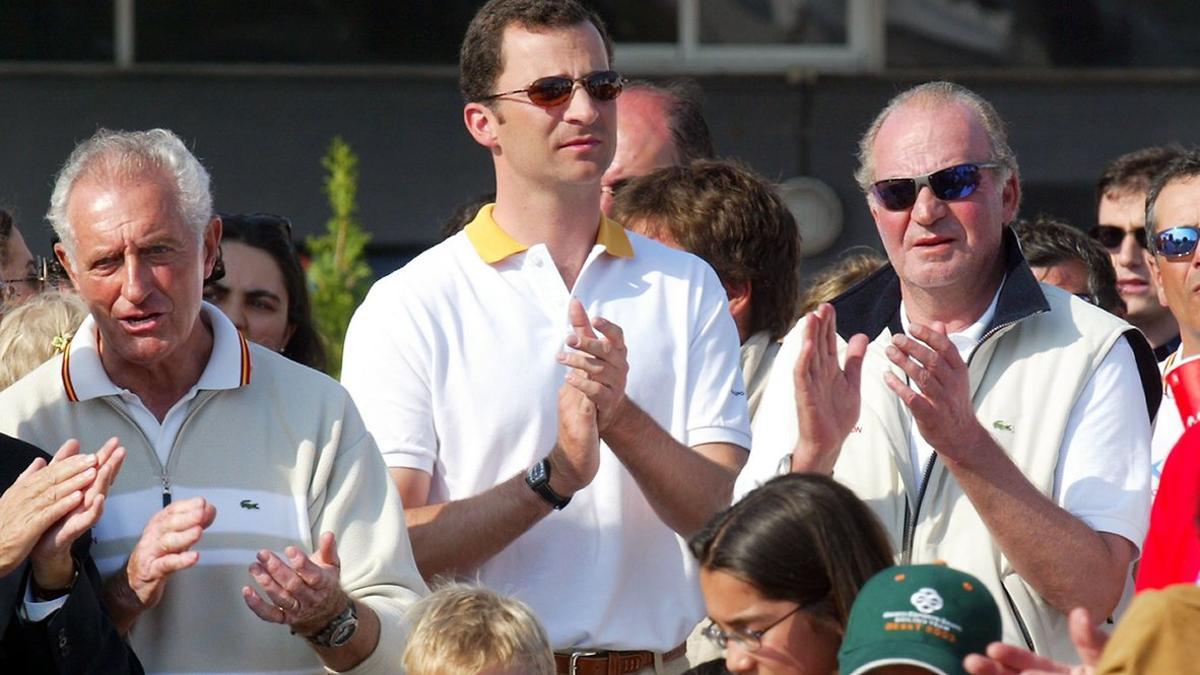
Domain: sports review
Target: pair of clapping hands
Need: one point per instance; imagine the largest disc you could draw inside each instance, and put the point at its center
(828, 397)
(590, 399)
(50, 505)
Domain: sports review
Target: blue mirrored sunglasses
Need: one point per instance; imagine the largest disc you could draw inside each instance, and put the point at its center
(1177, 242)
(954, 182)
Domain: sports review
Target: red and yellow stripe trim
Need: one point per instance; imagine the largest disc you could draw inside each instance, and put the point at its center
(244, 374)
(66, 375)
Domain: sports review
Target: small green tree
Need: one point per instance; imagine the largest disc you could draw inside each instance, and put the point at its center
(338, 273)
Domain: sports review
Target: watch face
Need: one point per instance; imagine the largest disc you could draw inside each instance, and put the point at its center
(537, 473)
(343, 633)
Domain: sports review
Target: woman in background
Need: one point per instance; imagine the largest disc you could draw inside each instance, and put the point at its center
(779, 571)
(263, 288)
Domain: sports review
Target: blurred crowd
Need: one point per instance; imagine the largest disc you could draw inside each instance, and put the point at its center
(605, 426)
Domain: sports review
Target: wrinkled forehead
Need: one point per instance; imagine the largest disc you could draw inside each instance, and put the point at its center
(921, 137)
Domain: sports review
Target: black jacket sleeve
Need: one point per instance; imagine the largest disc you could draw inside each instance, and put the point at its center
(79, 637)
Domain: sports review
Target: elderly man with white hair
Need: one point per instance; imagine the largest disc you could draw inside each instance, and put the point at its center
(990, 421)
(252, 494)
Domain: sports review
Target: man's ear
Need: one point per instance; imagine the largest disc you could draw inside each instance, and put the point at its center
(212, 244)
(1010, 196)
(739, 294)
(481, 122)
(1156, 274)
(60, 252)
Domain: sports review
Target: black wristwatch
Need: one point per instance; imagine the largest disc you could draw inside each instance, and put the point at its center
(339, 630)
(538, 478)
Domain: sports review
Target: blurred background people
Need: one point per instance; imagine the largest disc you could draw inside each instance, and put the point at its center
(833, 280)
(658, 125)
(1062, 256)
(1121, 219)
(780, 570)
(36, 330)
(470, 630)
(50, 615)
(734, 219)
(263, 289)
(18, 273)
(913, 619)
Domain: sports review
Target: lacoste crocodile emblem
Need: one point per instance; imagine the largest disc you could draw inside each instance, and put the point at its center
(1001, 425)
(249, 505)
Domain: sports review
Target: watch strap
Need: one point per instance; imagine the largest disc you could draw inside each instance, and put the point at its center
(328, 635)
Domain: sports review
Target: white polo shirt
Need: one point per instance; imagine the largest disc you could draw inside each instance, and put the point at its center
(452, 362)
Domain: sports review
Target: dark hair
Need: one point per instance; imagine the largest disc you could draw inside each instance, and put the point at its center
(1183, 167)
(685, 117)
(1133, 172)
(733, 219)
(1047, 242)
(6, 229)
(272, 234)
(464, 213)
(481, 56)
(799, 537)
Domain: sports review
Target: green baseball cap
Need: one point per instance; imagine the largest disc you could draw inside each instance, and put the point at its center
(930, 616)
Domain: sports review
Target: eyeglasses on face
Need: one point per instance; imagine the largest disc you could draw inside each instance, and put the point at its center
(548, 92)
(954, 182)
(1111, 236)
(40, 271)
(1177, 242)
(748, 640)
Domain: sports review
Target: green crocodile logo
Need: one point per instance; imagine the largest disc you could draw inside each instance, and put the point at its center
(1001, 425)
(249, 505)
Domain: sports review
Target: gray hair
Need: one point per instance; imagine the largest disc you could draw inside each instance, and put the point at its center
(115, 156)
(935, 94)
(1184, 167)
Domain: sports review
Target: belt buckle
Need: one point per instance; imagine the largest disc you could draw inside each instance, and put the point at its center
(574, 662)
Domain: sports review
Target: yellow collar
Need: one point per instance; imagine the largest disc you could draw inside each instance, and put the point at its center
(493, 244)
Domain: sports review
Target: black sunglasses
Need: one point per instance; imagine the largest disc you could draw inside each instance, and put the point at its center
(949, 184)
(1111, 236)
(1177, 242)
(548, 92)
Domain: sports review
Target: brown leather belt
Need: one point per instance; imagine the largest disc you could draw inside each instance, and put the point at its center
(611, 663)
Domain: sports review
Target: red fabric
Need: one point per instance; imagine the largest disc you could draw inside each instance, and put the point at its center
(1171, 554)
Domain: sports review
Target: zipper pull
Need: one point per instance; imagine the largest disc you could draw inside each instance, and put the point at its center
(166, 493)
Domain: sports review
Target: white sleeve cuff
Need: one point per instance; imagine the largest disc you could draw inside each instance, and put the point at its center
(33, 611)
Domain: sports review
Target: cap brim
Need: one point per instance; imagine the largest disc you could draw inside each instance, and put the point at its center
(888, 654)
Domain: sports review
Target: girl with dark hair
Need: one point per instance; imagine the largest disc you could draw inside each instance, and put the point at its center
(780, 570)
(261, 287)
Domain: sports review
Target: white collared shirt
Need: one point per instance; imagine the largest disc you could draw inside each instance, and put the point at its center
(88, 379)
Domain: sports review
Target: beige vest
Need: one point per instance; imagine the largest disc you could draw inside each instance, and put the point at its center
(1025, 379)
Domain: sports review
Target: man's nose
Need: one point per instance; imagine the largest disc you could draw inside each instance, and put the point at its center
(1129, 252)
(581, 107)
(927, 209)
(139, 280)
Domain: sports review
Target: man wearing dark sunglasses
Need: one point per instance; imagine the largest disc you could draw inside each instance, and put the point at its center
(1172, 219)
(1121, 217)
(558, 400)
(993, 422)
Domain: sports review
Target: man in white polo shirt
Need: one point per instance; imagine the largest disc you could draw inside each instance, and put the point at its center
(544, 355)
(251, 494)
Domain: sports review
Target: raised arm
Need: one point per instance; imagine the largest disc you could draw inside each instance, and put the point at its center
(684, 485)
(456, 537)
